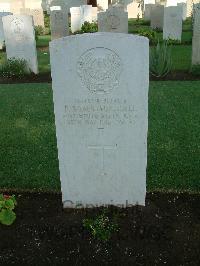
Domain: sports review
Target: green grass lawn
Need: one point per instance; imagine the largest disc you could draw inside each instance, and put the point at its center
(181, 58)
(43, 40)
(28, 144)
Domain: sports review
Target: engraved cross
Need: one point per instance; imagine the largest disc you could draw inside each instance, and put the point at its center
(103, 149)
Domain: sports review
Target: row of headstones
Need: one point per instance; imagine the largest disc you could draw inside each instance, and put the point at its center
(114, 19)
(169, 19)
(20, 37)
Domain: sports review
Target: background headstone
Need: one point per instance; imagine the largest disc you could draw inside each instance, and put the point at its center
(94, 13)
(184, 10)
(65, 4)
(157, 17)
(86, 13)
(100, 92)
(59, 24)
(20, 39)
(38, 17)
(147, 12)
(115, 19)
(2, 38)
(196, 36)
(172, 23)
(76, 19)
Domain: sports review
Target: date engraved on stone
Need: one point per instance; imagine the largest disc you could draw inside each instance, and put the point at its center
(99, 69)
(99, 113)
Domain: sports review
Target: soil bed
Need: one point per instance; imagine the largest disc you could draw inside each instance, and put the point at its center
(46, 78)
(165, 232)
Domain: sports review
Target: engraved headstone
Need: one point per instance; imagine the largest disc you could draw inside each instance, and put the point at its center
(76, 19)
(100, 92)
(147, 12)
(59, 24)
(2, 38)
(20, 39)
(196, 36)
(157, 17)
(115, 19)
(172, 23)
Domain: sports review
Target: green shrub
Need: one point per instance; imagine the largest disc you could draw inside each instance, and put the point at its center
(39, 30)
(160, 60)
(150, 34)
(12, 68)
(7, 205)
(88, 27)
(195, 70)
(145, 22)
(101, 227)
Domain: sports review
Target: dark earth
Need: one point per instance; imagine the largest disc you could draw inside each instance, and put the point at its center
(165, 232)
(46, 77)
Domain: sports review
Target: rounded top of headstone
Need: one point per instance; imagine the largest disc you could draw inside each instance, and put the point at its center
(111, 35)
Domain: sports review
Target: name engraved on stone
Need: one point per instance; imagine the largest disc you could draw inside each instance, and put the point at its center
(100, 69)
(99, 112)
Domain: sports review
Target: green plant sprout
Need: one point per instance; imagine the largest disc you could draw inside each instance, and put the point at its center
(7, 205)
(101, 227)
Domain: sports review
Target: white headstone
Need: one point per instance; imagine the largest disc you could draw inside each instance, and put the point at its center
(196, 36)
(147, 12)
(76, 19)
(59, 24)
(94, 13)
(184, 10)
(157, 17)
(100, 92)
(172, 23)
(2, 38)
(102, 5)
(86, 13)
(20, 39)
(115, 19)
